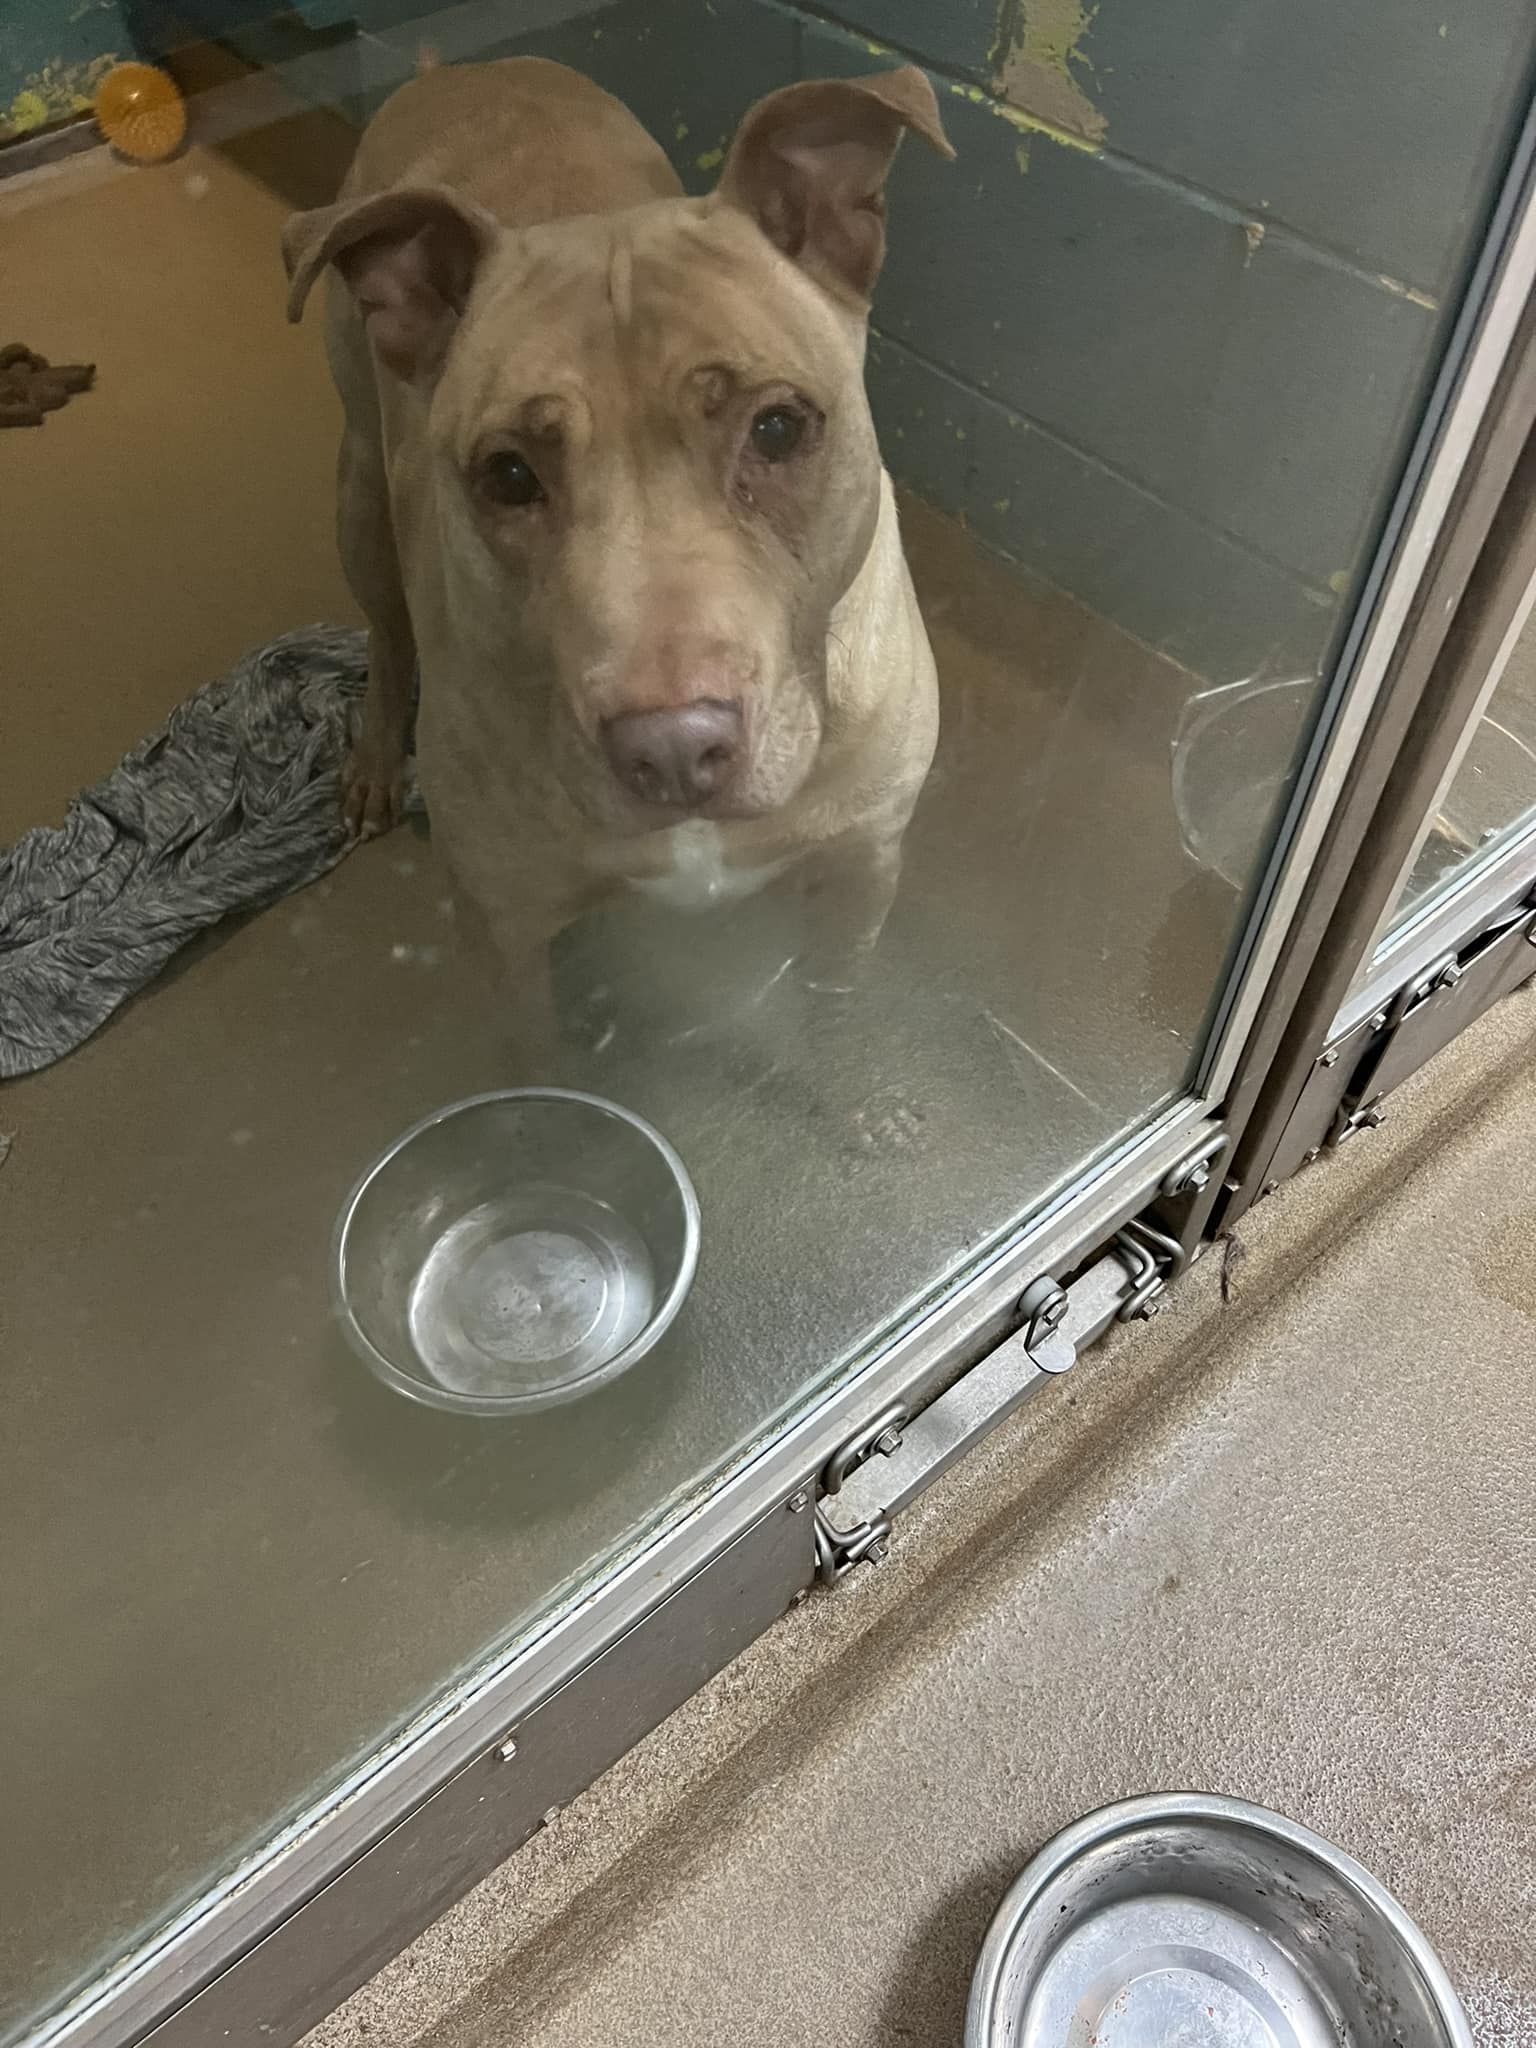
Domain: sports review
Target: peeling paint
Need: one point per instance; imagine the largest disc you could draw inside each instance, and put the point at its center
(54, 93)
(1034, 72)
(1026, 123)
(1051, 32)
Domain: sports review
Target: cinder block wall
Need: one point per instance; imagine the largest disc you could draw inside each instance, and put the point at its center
(1162, 332)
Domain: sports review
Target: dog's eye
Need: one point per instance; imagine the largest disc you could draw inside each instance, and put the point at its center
(508, 479)
(777, 432)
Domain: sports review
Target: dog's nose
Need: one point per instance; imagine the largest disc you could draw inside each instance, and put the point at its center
(680, 758)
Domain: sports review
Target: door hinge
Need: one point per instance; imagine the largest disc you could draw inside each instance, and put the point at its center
(1152, 1258)
(1348, 1122)
(1428, 1012)
(884, 1467)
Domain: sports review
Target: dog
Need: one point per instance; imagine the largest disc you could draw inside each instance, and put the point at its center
(609, 485)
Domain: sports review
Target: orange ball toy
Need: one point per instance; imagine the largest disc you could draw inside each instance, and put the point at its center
(141, 112)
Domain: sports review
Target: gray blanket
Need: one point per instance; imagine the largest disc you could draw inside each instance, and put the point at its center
(231, 804)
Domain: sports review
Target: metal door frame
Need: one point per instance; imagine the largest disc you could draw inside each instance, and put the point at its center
(1436, 977)
(1424, 699)
(1472, 595)
(1473, 430)
(1499, 605)
(1496, 886)
(1392, 949)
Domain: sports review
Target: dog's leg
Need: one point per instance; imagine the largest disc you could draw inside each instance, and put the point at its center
(852, 887)
(373, 779)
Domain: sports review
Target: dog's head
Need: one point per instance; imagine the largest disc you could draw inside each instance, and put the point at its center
(655, 467)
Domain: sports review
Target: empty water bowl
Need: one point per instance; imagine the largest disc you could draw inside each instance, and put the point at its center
(1211, 1923)
(515, 1250)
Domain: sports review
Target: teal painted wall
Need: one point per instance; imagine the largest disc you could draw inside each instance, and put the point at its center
(52, 55)
(1170, 339)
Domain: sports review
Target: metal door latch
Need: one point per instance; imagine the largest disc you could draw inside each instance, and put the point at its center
(1153, 1258)
(895, 1457)
(839, 1550)
(882, 1436)
(1043, 1309)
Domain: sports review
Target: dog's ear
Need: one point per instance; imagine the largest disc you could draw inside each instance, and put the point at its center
(809, 163)
(409, 258)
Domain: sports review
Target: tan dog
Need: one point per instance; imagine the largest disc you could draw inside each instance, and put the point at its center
(609, 475)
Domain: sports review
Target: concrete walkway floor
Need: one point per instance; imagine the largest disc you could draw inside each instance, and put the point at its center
(1283, 1547)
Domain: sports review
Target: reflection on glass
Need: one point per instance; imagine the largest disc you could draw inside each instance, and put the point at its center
(677, 824)
(1491, 798)
(1234, 759)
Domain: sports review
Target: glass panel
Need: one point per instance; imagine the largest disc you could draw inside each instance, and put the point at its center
(1145, 362)
(1490, 799)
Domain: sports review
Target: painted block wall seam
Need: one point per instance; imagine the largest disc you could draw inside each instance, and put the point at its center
(976, 42)
(1177, 586)
(1366, 131)
(1257, 383)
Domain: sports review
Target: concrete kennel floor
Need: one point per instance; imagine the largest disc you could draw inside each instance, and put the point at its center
(233, 1563)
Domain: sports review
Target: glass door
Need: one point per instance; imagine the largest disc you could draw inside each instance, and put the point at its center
(1486, 809)
(897, 957)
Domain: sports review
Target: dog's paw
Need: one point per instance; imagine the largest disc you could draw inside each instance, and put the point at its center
(372, 792)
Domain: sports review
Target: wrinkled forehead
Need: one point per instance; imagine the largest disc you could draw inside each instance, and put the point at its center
(616, 313)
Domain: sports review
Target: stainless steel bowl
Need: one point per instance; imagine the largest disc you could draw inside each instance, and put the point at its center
(515, 1250)
(1211, 1923)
